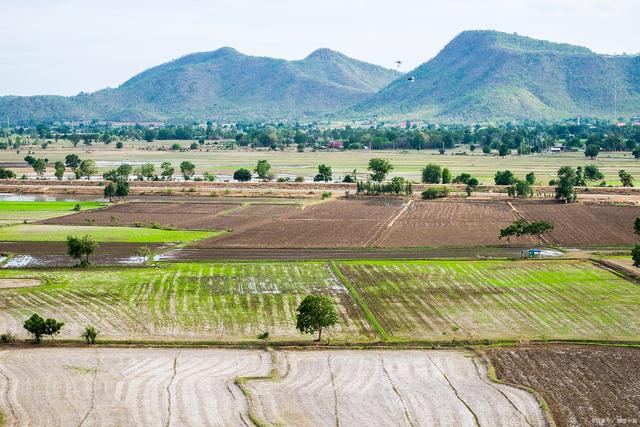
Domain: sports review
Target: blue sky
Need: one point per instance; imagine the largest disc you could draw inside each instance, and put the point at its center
(67, 46)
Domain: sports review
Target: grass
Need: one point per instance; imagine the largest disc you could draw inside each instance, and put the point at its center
(57, 233)
(14, 212)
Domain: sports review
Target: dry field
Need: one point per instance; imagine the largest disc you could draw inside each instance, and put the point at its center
(383, 388)
(583, 385)
(222, 302)
(496, 299)
(110, 386)
(584, 224)
(126, 387)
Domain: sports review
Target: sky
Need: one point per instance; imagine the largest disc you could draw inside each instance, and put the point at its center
(63, 47)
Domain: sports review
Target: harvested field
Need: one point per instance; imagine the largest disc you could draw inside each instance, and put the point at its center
(438, 223)
(234, 301)
(444, 300)
(19, 283)
(126, 387)
(382, 388)
(583, 385)
(583, 224)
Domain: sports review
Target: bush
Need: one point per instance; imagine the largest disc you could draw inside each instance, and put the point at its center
(299, 179)
(242, 175)
(431, 174)
(90, 333)
(7, 337)
(326, 195)
(435, 193)
(119, 144)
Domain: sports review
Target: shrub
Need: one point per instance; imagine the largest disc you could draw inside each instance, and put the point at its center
(7, 337)
(90, 333)
(435, 193)
(326, 195)
(299, 179)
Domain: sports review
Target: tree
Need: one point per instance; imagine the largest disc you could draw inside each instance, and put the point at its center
(262, 169)
(39, 167)
(81, 248)
(636, 152)
(530, 178)
(59, 170)
(463, 178)
(564, 184)
(110, 191)
(72, 161)
(324, 174)
(147, 171)
(379, 169)
(431, 174)
(517, 229)
(90, 333)
(635, 255)
(592, 173)
(504, 178)
(124, 171)
(520, 189)
(7, 173)
(503, 150)
(242, 175)
(446, 176)
(30, 160)
(187, 169)
(87, 168)
(315, 312)
(167, 170)
(37, 326)
(539, 228)
(636, 226)
(625, 178)
(592, 151)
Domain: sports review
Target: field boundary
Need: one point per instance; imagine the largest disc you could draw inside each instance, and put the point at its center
(491, 374)
(360, 302)
(616, 269)
(241, 383)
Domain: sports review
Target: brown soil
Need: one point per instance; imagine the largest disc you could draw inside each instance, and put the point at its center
(583, 385)
(19, 283)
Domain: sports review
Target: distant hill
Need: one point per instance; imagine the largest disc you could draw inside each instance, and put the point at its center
(223, 84)
(492, 76)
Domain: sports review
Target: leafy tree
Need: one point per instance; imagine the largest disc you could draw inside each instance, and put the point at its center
(517, 229)
(520, 189)
(72, 161)
(87, 168)
(592, 151)
(147, 171)
(503, 150)
(565, 183)
(504, 178)
(187, 169)
(110, 191)
(397, 185)
(315, 312)
(30, 160)
(262, 169)
(119, 144)
(37, 326)
(324, 174)
(592, 173)
(463, 178)
(635, 255)
(379, 169)
(636, 226)
(90, 333)
(124, 171)
(39, 167)
(7, 173)
(167, 171)
(242, 175)
(530, 178)
(625, 178)
(431, 174)
(636, 151)
(81, 248)
(446, 176)
(435, 193)
(59, 170)
(539, 228)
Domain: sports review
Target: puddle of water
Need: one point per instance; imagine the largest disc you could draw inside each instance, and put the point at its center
(19, 261)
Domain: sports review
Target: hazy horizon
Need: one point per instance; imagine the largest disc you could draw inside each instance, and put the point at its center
(63, 47)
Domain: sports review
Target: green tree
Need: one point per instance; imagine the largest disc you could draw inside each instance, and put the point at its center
(124, 171)
(59, 170)
(539, 228)
(146, 171)
(592, 173)
(324, 174)
(72, 161)
(242, 175)
(515, 229)
(635, 255)
(503, 150)
(87, 168)
(7, 173)
(504, 178)
(530, 178)
(315, 312)
(446, 176)
(636, 226)
(431, 174)
(379, 169)
(520, 189)
(38, 327)
(167, 171)
(565, 183)
(592, 151)
(187, 169)
(39, 167)
(262, 169)
(90, 333)
(81, 248)
(110, 191)
(625, 178)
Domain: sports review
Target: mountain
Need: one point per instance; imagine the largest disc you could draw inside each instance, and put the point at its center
(223, 84)
(492, 76)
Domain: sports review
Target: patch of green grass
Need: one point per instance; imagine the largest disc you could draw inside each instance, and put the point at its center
(9, 206)
(57, 233)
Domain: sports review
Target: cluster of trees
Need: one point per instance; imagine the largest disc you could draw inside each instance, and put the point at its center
(522, 227)
(397, 185)
(39, 327)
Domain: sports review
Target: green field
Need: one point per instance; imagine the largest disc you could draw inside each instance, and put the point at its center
(13, 212)
(180, 301)
(58, 233)
(400, 300)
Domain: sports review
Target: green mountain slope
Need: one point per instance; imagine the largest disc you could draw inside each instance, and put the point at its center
(491, 76)
(221, 84)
